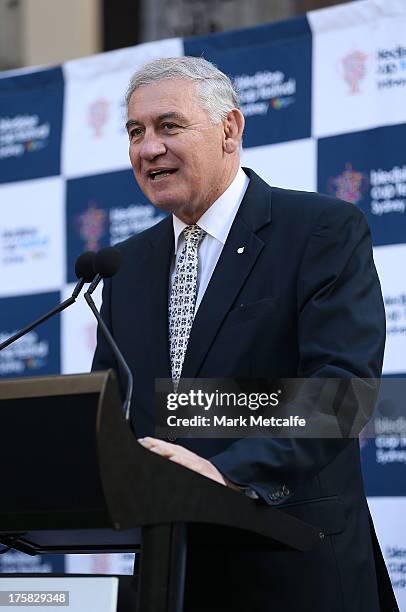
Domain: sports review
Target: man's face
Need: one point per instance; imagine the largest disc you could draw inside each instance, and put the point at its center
(176, 153)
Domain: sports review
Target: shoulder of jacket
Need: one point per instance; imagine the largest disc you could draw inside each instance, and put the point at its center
(312, 204)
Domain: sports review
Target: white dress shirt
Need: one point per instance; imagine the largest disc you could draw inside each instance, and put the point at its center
(216, 222)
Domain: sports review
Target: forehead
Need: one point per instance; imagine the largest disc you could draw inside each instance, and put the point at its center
(160, 97)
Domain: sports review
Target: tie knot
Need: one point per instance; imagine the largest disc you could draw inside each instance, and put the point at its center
(193, 234)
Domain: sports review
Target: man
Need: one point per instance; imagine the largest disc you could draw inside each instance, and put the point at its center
(245, 280)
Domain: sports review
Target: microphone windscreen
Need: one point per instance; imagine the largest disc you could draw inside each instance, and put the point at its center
(84, 266)
(107, 262)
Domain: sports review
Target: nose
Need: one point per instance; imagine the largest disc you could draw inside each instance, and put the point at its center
(152, 146)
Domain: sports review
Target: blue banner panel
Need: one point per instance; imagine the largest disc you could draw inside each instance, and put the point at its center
(15, 562)
(31, 125)
(368, 168)
(102, 210)
(381, 478)
(271, 68)
(384, 456)
(38, 352)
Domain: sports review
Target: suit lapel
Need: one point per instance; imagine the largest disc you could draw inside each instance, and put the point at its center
(157, 271)
(231, 271)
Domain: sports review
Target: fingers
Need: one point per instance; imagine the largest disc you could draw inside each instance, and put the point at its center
(165, 449)
(182, 456)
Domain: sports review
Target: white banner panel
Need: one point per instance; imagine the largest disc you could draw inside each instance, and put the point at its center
(59, 593)
(291, 165)
(112, 563)
(359, 66)
(390, 261)
(388, 514)
(78, 333)
(94, 137)
(32, 236)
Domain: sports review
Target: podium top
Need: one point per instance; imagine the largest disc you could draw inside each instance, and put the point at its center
(45, 386)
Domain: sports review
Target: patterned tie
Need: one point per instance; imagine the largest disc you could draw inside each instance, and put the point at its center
(182, 300)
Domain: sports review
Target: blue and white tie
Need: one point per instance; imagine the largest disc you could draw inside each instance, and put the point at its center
(182, 300)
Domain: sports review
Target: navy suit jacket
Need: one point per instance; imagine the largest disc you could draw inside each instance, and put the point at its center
(303, 300)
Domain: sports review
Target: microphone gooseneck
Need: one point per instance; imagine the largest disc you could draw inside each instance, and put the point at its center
(105, 264)
(85, 273)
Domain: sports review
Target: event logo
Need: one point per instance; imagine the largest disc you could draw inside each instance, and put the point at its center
(130, 220)
(22, 134)
(350, 185)
(92, 226)
(98, 115)
(395, 309)
(395, 558)
(22, 244)
(264, 89)
(390, 448)
(120, 222)
(388, 190)
(19, 562)
(28, 353)
(354, 70)
(391, 67)
(278, 103)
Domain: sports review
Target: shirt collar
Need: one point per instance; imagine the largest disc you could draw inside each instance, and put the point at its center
(218, 219)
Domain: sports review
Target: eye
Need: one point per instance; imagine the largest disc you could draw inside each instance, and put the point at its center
(135, 133)
(170, 126)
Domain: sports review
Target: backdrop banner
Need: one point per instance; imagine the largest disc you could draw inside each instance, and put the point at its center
(324, 100)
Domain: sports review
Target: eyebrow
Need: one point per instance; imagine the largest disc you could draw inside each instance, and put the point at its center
(170, 115)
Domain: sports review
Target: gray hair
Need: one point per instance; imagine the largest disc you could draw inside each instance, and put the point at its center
(215, 90)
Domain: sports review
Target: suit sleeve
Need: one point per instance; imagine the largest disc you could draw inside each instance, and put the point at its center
(341, 334)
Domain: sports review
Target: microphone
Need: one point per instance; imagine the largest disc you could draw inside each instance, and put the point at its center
(85, 272)
(106, 263)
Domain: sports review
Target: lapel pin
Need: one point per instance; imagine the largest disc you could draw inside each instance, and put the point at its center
(240, 250)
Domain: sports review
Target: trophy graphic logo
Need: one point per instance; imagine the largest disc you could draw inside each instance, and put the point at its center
(98, 115)
(350, 185)
(92, 226)
(354, 70)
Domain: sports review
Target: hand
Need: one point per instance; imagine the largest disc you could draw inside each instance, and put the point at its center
(183, 456)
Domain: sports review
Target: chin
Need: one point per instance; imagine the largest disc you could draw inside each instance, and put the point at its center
(168, 204)
(168, 200)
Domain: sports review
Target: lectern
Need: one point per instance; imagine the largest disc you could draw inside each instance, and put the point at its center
(75, 479)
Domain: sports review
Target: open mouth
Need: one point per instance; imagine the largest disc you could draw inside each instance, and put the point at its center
(156, 175)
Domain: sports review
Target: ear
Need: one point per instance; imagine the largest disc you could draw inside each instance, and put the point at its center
(233, 127)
